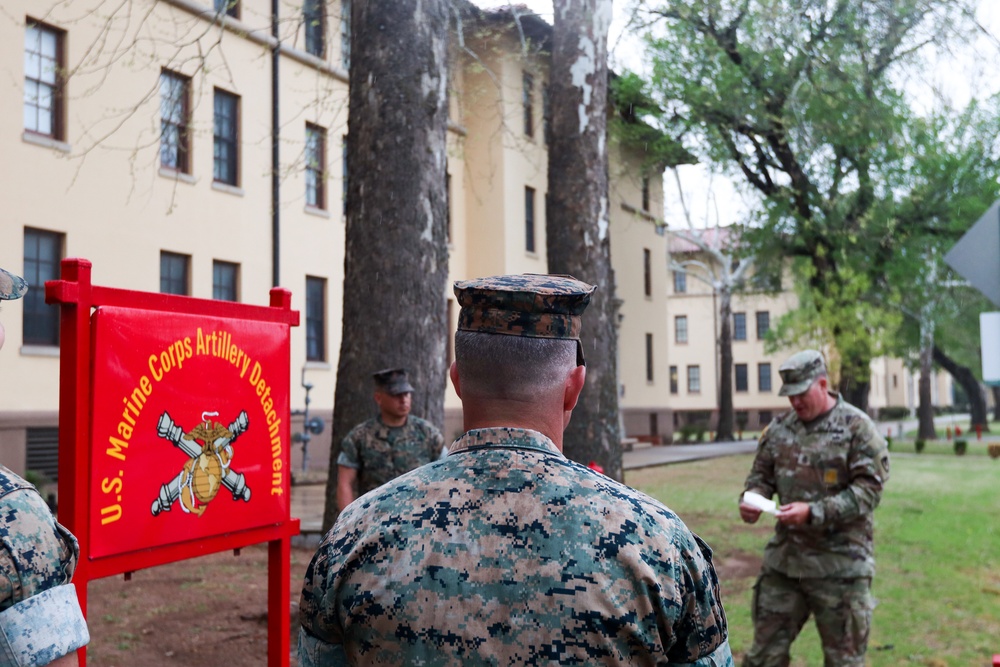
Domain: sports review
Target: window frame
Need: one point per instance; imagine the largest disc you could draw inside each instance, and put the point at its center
(680, 282)
(647, 272)
(168, 281)
(739, 326)
(529, 219)
(694, 379)
(218, 282)
(228, 8)
(315, 319)
(314, 27)
(56, 111)
(527, 103)
(649, 358)
(674, 380)
(645, 193)
(315, 166)
(40, 321)
(229, 141)
(679, 330)
(764, 371)
(766, 320)
(182, 125)
(738, 385)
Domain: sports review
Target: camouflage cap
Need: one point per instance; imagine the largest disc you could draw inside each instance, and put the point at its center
(529, 304)
(392, 381)
(11, 286)
(800, 371)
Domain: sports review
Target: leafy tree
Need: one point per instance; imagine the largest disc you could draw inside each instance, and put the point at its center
(577, 216)
(801, 100)
(396, 262)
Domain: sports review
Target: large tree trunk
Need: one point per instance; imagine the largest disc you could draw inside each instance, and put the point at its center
(965, 377)
(577, 216)
(724, 430)
(925, 411)
(996, 403)
(396, 260)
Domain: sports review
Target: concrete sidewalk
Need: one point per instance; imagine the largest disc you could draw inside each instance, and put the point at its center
(308, 499)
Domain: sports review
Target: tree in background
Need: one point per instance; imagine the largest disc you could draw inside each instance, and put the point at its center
(577, 216)
(800, 100)
(396, 261)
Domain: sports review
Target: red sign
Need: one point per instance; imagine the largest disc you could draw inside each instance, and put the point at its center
(189, 428)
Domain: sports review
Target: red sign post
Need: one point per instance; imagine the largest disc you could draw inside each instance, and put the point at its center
(174, 432)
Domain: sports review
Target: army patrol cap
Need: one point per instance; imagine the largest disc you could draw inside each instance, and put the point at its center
(529, 304)
(11, 286)
(800, 371)
(392, 381)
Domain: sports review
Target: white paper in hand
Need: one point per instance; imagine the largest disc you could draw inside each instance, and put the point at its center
(760, 502)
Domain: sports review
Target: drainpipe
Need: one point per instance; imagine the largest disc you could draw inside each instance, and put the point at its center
(275, 164)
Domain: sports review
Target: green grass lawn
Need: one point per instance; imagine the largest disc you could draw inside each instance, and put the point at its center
(937, 550)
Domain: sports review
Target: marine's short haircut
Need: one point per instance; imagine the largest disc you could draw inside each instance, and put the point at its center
(512, 367)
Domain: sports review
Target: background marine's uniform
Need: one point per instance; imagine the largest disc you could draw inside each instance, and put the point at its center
(40, 617)
(837, 464)
(507, 553)
(381, 453)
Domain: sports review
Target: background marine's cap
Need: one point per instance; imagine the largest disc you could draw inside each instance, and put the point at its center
(800, 371)
(529, 304)
(11, 286)
(392, 381)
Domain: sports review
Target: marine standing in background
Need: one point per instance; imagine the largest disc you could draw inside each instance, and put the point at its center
(827, 463)
(506, 552)
(40, 618)
(383, 448)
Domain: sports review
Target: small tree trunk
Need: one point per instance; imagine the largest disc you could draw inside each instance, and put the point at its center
(724, 429)
(577, 216)
(996, 403)
(396, 258)
(965, 377)
(925, 410)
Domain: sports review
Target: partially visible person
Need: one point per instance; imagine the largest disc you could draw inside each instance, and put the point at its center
(384, 447)
(827, 463)
(40, 618)
(506, 552)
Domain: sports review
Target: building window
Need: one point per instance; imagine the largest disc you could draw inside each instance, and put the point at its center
(895, 381)
(314, 20)
(673, 380)
(741, 377)
(345, 34)
(763, 324)
(315, 319)
(315, 166)
(529, 219)
(175, 93)
(654, 423)
(175, 273)
(645, 193)
(681, 328)
(680, 282)
(527, 91)
(228, 7)
(739, 326)
(649, 357)
(764, 418)
(43, 80)
(694, 379)
(42, 253)
(546, 115)
(225, 281)
(764, 377)
(226, 133)
(343, 172)
(647, 272)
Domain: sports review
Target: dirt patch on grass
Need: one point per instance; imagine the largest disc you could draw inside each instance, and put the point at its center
(204, 612)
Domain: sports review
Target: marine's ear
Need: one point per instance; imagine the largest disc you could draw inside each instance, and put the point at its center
(453, 373)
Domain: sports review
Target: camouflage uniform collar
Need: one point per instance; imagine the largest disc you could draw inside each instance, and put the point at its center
(383, 425)
(504, 438)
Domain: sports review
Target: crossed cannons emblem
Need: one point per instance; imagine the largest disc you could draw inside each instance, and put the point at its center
(207, 468)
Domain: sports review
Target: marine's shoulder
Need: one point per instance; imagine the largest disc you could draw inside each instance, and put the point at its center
(363, 429)
(9, 481)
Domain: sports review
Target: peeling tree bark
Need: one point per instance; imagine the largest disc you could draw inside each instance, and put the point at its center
(577, 216)
(396, 260)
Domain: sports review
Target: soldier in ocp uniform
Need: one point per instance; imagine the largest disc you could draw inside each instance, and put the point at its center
(385, 447)
(40, 618)
(827, 462)
(506, 552)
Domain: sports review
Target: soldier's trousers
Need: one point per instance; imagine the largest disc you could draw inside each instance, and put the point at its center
(781, 606)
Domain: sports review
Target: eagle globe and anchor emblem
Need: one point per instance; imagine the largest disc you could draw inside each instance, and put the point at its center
(209, 447)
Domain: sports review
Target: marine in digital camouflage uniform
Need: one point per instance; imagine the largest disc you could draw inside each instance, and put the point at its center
(506, 552)
(827, 464)
(384, 447)
(40, 618)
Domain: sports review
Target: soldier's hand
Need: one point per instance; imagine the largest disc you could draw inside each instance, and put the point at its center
(794, 514)
(749, 513)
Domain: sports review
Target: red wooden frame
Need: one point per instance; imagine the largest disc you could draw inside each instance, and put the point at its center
(77, 297)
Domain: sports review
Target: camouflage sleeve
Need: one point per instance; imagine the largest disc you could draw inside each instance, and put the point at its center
(317, 653)
(42, 628)
(761, 477)
(436, 443)
(868, 467)
(321, 635)
(702, 630)
(36, 553)
(349, 455)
